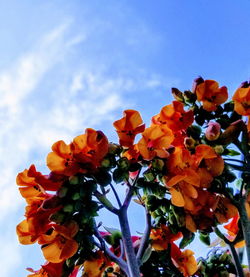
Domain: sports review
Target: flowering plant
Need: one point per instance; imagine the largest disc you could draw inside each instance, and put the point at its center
(180, 170)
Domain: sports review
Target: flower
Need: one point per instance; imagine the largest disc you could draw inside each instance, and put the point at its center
(184, 260)
(96, 266)
(161, 237)
(128, 127)
(174, 116)
(155, 141)
(85, 152)
(47, 270)
(32, 183)
(241, 100)
(209, 93)
(58, 243)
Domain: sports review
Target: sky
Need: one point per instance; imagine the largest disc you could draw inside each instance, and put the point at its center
(69, 65)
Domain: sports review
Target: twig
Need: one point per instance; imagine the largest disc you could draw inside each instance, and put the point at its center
(116, 195)
(233, 252)
(105, 202)
(145, 238)
(102, 245)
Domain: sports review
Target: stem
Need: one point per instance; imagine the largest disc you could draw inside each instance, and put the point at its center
(116, 195)
(133, 266)
(145, 238)
(108, 252)
(233, 252)
(245, 224)
(105, 202)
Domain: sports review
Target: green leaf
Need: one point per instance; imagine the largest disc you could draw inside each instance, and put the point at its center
(205, 238)
(231, 152)
(146, 254)
(188, 237)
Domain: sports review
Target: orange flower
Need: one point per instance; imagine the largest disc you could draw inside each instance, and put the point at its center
(47, 270)
(128, 127)
(32, 183)
(90, 148)
(59, 245)
(37, 220)
(241, 100)
(182, 188)
(184, 261)
(96, 266)
(61, 159)
(28, 186)
(85, 152)
(155, 141)
(162, 236)
(224, 209)
(209, 93)
(174, 116)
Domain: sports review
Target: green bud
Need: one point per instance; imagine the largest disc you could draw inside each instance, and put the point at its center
(114, 149)
(69, 208)
(158, 164)
(219, 149)
(194, 131)
(105, 163)
(57, 217)
(123, 163)
(62, 192)
(74, 180)
(149, 176)
(76, 196)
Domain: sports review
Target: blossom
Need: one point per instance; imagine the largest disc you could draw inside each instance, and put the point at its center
(162, 236)
(174, 116)
(90, 148)
(47, 270)
(32, 183)
(184, 260)
(95, 266)
(59, 245)
(209, 93)
(128, 127)
(155, 141)
(241, 100)
(85, 152)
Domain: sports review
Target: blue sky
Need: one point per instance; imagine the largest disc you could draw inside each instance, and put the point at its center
(68, 65)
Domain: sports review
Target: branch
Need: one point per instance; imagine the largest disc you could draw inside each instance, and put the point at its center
(105, 202)
(116, 195)
(108, 252)
(145, 238)
(130, 192)
(233, 252)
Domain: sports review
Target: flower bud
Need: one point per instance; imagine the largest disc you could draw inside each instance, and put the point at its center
(213, 131)
(219, 149)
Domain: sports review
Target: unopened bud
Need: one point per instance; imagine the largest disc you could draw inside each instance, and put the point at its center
(178, 95)
(219, 149)
(213, 131)
(232, 132)
(74, 180)
(196, 82)
(189, 143)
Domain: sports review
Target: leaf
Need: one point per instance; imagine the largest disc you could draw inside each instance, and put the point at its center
(146, 254)
(112, 231)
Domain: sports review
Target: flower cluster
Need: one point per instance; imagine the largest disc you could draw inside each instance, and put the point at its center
(178, 169)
